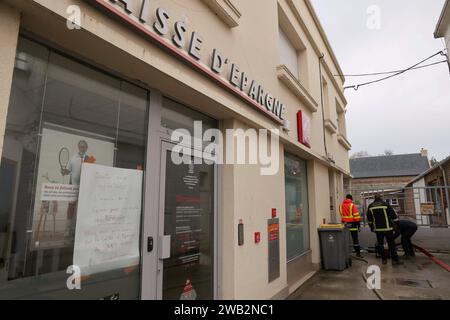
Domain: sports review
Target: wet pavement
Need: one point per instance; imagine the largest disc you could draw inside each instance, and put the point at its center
(419, 278)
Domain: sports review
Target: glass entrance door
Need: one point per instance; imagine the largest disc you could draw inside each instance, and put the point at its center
(186, 252)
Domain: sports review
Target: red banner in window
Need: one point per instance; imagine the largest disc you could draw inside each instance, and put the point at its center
(304, 128)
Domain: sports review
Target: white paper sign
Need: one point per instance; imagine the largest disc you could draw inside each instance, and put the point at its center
(59, 192)
(108, 219)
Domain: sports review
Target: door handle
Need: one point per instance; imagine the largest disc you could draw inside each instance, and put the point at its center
(164, 247)
(149, 244)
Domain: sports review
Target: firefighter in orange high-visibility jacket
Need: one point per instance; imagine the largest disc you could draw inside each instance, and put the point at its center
(383, 221)
(351, 217)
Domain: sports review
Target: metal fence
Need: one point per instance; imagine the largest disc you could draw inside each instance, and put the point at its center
(428, 206)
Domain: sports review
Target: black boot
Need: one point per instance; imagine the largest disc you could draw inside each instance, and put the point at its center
(397, 262)
(358, 251)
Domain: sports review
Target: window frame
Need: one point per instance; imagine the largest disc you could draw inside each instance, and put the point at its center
(16, 284)
(307, 249)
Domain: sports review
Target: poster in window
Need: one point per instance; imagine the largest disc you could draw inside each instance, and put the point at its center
(61, 156)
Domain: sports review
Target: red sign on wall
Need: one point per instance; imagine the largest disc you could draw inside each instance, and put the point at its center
(257, 237)
(304, 128)
(274, 230)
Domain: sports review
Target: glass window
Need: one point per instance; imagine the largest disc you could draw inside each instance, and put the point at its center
(175, 116)
(63, 116)
(341, 120)
(297, 211)
(289, 54)
(189, 219)
(188, 213)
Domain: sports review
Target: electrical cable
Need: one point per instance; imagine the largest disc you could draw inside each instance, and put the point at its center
(388, 72)
(357, 86)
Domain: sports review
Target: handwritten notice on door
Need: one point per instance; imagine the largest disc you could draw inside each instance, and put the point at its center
(108, 219)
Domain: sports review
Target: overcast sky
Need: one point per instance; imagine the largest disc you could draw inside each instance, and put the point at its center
(406, 113)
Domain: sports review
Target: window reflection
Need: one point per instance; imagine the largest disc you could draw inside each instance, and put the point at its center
(297, 211)
(61, 114)
(189, 219)
(175, 116)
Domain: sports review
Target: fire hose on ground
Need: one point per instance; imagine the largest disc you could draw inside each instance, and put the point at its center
(425, 252)
(439, 262)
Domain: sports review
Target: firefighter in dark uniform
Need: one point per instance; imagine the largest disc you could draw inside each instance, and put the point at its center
(383, 220)
(351, 217)
(406, 228)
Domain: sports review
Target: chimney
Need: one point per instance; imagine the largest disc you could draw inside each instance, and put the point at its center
(424, 152)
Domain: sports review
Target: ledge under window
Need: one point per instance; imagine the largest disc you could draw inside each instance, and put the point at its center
(292, 83)
(339, 107)
(344, 142)
(225, 10)
(331, 126)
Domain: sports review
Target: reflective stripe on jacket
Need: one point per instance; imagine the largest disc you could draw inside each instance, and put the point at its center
(381, 216)
(349, 212)
(353, 226)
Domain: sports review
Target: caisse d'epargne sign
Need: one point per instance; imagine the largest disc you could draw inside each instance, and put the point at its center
(175, 37)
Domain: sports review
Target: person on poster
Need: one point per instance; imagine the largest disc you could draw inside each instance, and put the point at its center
(74, 170)
(75, 163)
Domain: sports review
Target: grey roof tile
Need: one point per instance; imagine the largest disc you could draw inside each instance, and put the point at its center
(389, 166)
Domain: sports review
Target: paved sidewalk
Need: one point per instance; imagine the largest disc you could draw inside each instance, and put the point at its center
(419, 278)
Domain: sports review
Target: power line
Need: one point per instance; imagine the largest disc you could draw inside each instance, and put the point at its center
(388, 72)
(357, 86)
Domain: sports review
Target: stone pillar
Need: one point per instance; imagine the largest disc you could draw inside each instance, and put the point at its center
(9, 32)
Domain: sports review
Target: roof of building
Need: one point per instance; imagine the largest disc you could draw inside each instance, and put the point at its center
(401, 165)
(443, 162)
(443, 19)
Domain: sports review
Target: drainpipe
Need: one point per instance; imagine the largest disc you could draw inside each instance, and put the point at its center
(323, 124)
(446, 193)
(323, 108)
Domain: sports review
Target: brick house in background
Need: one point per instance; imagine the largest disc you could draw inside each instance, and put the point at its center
(437, 194)
(389, 174)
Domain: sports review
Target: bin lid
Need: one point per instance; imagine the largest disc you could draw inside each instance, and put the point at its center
(331, 226)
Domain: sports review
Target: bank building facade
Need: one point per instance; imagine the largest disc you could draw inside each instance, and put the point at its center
(92, 94)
